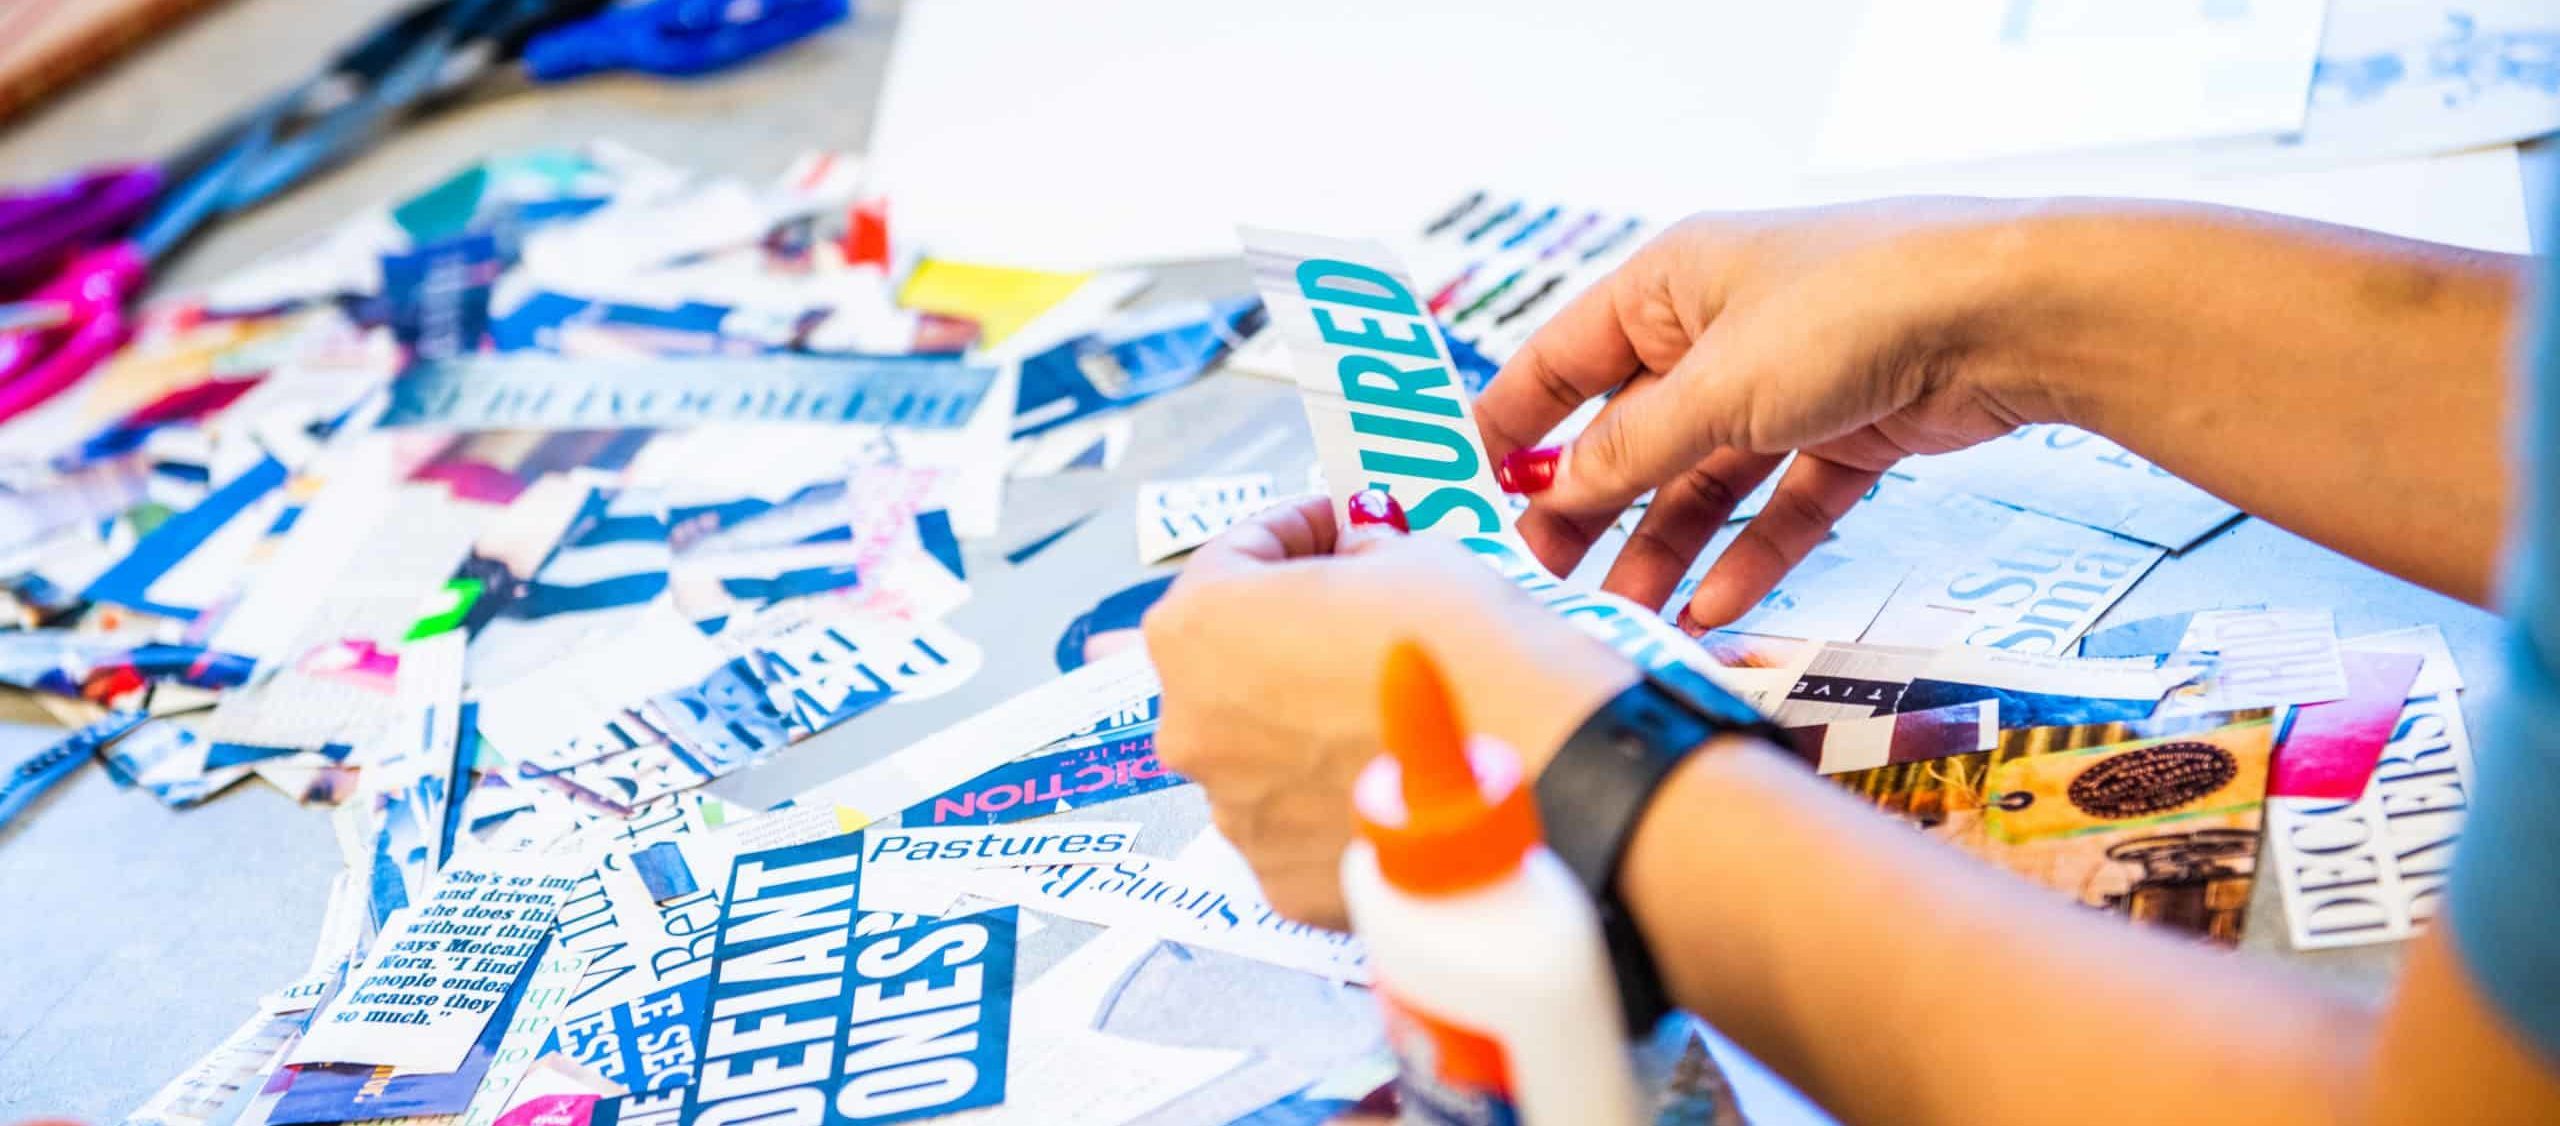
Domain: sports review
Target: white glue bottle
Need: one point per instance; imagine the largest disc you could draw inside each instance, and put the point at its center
(1499, 999)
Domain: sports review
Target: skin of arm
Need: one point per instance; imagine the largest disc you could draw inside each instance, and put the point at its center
(2348, 386)
(2345, 385)
(1899, 981)
(2285, 366)
(1893, 978)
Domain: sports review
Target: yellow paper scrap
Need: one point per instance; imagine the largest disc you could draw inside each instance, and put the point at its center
(1000, 298)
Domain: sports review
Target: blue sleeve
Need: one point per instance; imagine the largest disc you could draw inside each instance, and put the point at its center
(2505, 897)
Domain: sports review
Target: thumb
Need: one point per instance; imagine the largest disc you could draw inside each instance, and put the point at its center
(1646, 434)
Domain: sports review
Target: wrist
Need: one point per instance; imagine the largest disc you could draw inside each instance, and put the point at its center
(1695, 862)
(2055, 310)
(1604, 784)
(1572, 680)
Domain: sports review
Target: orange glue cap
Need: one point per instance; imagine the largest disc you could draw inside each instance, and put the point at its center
(1444, 813)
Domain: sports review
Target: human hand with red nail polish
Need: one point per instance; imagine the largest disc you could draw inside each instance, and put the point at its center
(1852, 336)
(1269, 646)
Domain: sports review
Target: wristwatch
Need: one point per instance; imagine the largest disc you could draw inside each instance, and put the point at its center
(1592, 794)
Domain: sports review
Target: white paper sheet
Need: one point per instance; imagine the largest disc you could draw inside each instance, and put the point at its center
(1184, 902)
(891, 850)
(1966, 80)
(2259, 659)
(1549, 103)
(1380, 390)
(2071, 474)
(546, 993)
(2397, 78)
(2041, 583)
(1832, 596)
(2374, 869)
(1326, 100)
(417, 1003)
(1050, 1077)
(549, 718)
(973, 746)
(1176, 516)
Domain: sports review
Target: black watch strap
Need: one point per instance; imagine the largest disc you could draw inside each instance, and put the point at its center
(1593, 793)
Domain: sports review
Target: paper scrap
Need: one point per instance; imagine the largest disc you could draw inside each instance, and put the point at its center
(316, 1093)
(2440, 673)
(2156, 822)
(440, 968)
(637, 944)
(2042, 583)
(967, 848)
(2071, 474)
(1001, 299)
(647, 1045)
(2373, 869)
(1180, 902)
(2035, 690)
(546, 992)
(566, 712)
(2260, 659)
(2329, 749)
(1119, 762)
(2144, 637)
(1863, 744)
(1376, 378)
(1832, 596)
(1176, 516)
(194, 1096)
(1939, 85)
(1099, 691)
(903, 1023)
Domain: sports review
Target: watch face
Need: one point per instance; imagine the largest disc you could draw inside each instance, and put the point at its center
(1593, 790)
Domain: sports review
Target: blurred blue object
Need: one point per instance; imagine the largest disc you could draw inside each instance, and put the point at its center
(676, 38)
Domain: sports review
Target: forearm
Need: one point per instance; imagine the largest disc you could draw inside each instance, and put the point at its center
(2348, 386)
(1896, 980)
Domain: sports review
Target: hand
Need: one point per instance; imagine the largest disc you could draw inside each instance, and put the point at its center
(1269, 647)
(1853, 336)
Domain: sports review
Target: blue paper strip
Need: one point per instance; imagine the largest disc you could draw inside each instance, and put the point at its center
(662, 870)
(2024, 709)
(534, 392)
(648, 1045)
(39, 772)
(129, 581)
(849, 1028)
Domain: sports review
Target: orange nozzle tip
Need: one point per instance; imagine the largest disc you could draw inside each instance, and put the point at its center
(1421, 728)
(1443, 813)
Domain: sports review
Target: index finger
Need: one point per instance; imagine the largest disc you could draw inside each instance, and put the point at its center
(1583, 351)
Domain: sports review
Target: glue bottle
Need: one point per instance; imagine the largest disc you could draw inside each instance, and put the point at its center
(1499, 998)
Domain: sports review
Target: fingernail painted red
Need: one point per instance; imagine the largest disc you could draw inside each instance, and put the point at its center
(1528, 472)
(1376, 508)
(1688, 624)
